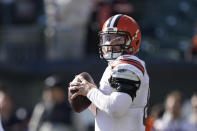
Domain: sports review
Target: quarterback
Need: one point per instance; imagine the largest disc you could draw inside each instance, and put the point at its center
(120, 101)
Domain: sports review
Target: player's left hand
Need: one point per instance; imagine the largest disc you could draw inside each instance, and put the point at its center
(83, 87)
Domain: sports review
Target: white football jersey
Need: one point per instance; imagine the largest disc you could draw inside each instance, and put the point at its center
(116, 111)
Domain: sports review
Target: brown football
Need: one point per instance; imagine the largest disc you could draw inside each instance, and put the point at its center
(80, 103)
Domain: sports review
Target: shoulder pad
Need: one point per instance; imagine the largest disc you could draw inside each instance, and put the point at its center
(125, 74)
(128, 61)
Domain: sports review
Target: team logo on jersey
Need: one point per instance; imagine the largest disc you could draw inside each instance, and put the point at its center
(122, 70)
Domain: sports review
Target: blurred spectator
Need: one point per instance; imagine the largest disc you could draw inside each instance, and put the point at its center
(12, 119)
(53, 112)
(66, 27)
(172, 119)
(155, 113)
(193, 116)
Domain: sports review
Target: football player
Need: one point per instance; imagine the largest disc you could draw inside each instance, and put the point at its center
(121, 99)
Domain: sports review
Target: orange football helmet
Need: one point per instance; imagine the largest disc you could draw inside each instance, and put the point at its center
(119, 31)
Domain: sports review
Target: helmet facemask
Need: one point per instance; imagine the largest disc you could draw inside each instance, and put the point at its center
(113, 44)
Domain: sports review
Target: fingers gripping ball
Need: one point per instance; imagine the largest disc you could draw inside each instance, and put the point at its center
(80, 103)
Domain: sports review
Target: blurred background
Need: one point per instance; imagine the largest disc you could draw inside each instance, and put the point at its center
(43, 38)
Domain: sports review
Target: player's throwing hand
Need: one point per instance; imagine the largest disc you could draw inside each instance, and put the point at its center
(82, 87)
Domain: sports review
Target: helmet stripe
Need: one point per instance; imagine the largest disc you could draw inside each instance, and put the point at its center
(113, 20)
(110, 21)
(116, 21)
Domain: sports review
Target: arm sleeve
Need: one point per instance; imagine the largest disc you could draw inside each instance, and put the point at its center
(116, 104)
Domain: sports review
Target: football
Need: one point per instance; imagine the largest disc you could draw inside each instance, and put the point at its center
(80, 103)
